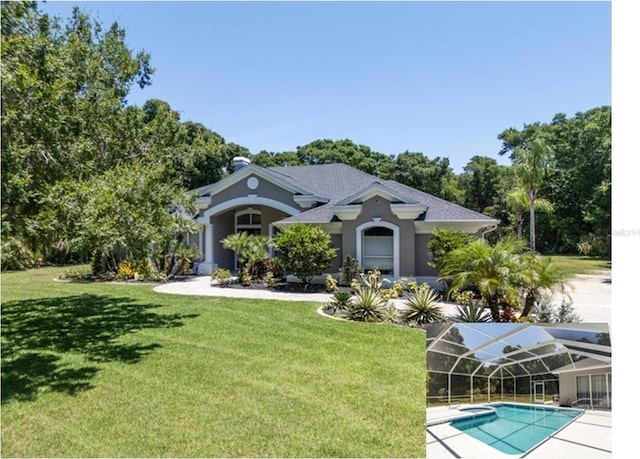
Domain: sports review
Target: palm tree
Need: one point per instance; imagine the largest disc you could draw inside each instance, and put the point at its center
(530, 164)
(518, 203)
(496, 272)
(540, 275)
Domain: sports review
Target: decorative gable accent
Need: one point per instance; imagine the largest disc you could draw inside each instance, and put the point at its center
(408, 211)
(377, 189)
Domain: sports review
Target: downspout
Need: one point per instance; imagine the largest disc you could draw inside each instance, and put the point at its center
(487, 230)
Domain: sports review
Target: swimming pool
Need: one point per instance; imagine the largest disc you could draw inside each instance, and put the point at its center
(515, 429)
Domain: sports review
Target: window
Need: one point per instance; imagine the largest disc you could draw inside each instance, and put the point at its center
(378, 249)
(249, 221)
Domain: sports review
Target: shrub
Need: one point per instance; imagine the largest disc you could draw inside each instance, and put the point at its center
(474, 311)
(508, 314)
(270, 280)
(339, 302)
(305, 251)
(367, 306)
(355, 286)
(223, 276)
(330, 284)
(373, 279)
(135, 269)
(566, 312)
(245, 278)
(422, 307)
(275, 266)
(444, 241)
(251, 251)
(390, 314)
(16, 256)
(350, 268)
(77, 273)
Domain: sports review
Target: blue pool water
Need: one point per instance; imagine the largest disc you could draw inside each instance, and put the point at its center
(515, 429)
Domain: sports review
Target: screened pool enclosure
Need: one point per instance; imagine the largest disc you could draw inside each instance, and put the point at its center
(568, 363)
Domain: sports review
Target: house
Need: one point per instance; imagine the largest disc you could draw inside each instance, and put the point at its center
(382, 223)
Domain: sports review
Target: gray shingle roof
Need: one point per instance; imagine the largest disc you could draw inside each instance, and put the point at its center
(339, 181)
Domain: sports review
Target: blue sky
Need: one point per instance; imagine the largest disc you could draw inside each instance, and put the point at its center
(441, 78)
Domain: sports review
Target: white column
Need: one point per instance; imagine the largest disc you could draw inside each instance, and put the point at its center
(201, 239)
(207, 266)
(208, 244)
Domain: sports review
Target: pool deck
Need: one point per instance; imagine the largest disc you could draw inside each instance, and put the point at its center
(588, 436)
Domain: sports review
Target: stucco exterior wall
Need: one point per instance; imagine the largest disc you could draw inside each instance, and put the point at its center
(336, 241)
(568, 384)
(223, 225)
(378, 207)
(423, 256)
(265, 189)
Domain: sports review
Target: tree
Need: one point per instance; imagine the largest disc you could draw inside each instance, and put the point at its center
(531, 160)
(122, 213)
(64, 90)
(305, 251)
(433, 176)
(577, 180)
(480, 182)
(444, 241)
(518, 202)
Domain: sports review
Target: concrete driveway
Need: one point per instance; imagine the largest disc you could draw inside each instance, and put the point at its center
(591, 295)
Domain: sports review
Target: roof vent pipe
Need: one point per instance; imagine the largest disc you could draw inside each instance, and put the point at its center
(239, 162)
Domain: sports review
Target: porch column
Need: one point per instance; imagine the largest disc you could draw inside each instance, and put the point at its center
(201, 239)
(208, 266)
(208, 244)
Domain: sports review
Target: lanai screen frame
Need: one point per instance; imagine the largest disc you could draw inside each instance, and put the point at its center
(575, 346)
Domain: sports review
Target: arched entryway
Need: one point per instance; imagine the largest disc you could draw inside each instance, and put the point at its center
(378, 246)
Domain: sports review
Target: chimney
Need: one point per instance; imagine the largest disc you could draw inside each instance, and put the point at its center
(239, 162)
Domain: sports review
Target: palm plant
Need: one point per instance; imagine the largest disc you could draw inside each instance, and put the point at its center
(518, 203)
(367, 306)
(249, 249)
(496, 272)
(540, 275)
(530, 163)
(422, 306)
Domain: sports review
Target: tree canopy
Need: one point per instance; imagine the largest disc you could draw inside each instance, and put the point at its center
(70, 135)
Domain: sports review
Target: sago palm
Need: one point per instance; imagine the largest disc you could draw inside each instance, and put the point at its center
(539, 275)
(495, 272)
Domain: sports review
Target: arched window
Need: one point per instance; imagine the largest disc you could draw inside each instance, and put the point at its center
(249, 221)
(378, 246)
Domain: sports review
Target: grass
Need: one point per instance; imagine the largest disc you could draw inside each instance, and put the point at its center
(572, 265)
(103, 370)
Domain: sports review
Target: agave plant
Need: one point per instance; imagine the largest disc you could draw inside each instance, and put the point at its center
(367, 306)
(473, 311)
(422, 306)
(340, 301)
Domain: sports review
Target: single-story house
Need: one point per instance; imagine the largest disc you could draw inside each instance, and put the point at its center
(382, 223)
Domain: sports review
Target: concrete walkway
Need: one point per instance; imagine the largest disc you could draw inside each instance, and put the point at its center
(591, 294)
(201, 286)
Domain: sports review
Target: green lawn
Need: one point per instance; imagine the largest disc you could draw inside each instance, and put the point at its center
(571, 265)
(93, 369)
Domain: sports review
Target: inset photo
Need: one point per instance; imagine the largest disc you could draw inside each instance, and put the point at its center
(518, 390)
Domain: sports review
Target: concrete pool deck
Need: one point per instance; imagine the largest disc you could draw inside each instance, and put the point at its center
(587, 436)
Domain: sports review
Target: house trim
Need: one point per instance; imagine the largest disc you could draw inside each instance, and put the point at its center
(249, 200)
(396, 242)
